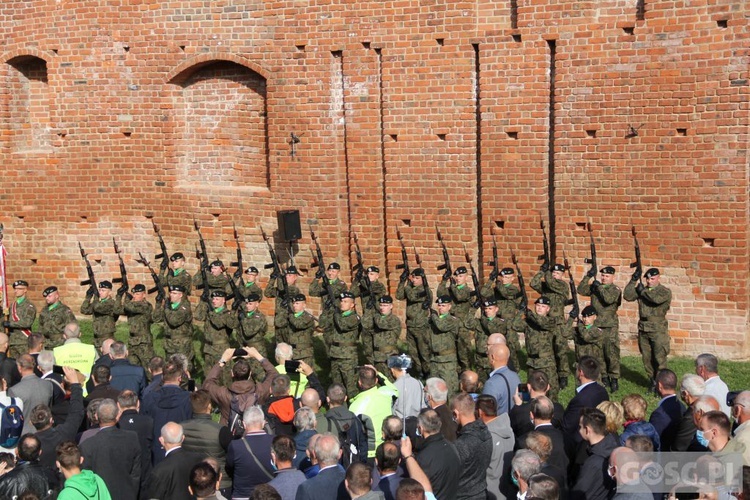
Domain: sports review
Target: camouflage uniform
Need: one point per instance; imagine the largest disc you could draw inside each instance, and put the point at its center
(653, 327)
(280, 324)
(540, 348)
(20, 328)
(52, 321)
(606, 300)
(139, 314)
(483, 328)
(298, 332)
(343, 350)
(178, 327)
(589, 341)
(218, 325)
(558, 292)
(463, 309)
(325, 320)
(386, 330)
(508, 298)
(179, 277)
(417, 326)
(369, 312)
(251, 331)
(248, 288)
(219, 282)
(103, 311)
(444, 331)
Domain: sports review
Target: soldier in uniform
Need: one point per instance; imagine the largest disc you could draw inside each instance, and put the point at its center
(589, 337)
(606, 298)
(275, 289)
(297, 330)
(253, 326)
(505, 292)
(218, 323)
(370, 308)
(217, 280)
(654, 300)
(249, 286)
(177, 316)
(343, 350)
(54, 317)
(463, 308)
(20, 319)
(538, 328)
(329, 304)
(139, 312)
(552, 285)
(386, 329)
(417, 319)
(491, 322)
(177, 275)
(102, 308)
(444, 328)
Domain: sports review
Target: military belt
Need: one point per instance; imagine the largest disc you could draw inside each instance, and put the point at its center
(344, 344)
(444, 353)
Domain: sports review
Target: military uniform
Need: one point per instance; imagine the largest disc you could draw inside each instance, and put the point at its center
(103, 311)
(463, 309)
(21, 317)
(606, 300)
(178, 327)
(483, 328)
(386, 330)
(252, 329)
(139, 314)
(444, 330)
(218, 324)
(298, 332)
(589, 339)
(558, 292)
(52, 321)
(343, 350)
(417, 325)
(283, 303)
(653, 327)
(248, 288)
(369, 311)
(508, 296)
(325, 320)
(177, 277)
(540, 348)
(215, 282)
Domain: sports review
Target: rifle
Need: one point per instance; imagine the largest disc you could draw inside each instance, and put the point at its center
(474, 279)
(637, 264)
(594, 269)
(238, 264)
(361, 275)
(123, 279)
(91, 281)
(158, 285)
(545, 258)
(521, 283)
(427, 304)
(203, 256)
(277, 272)
(573, 292)
(404, 258)
(237, 297)
(494, 263)
(446, 265)
(164, 255)
(321, 272)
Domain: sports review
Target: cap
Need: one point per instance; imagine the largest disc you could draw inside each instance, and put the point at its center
(588, 311)
(291, 270)
(444, 299)
(177, 288)
(651, 272)
(558, 267)
(49, 290)
(399, 362)
(300, 297)
(418, 272)
(177, 256)
(217, 263)
(543, 300)
(140, 287)
(386, 299)
(20, 283)
(489, 303)
(105, 284)
(506, 271)
(253, 297)
(346, 295)
(334, 265)
(373, 269)
(608, 270)
(251, 270)
(219, 293)
(460, 270)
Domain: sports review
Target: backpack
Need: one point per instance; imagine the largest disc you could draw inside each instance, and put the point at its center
(236, 408)
(11, 425)
(352, 438)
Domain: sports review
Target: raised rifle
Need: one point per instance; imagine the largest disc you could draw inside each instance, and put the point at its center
(361, 275)
(573, 292)
(521, 283)
(91, 281)
(205, 265)
(278, 273)
(637, 264)
(238, 263)
(474, 279)
(159, 287)
(164, 255)
(494, 262)
(404, 258)
(545, 258)
(321, 272)
(123, 279)
(594, 269)
(427, 304)
(446, 265)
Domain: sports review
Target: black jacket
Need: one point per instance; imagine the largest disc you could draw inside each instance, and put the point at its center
(115, 455)
(143, 425)
(665, 419)
(589, 397)
(593, 482)
(438, 459)
(66, 431)
(474, 447)
(29, 476)
(520, 421)
(169, 479)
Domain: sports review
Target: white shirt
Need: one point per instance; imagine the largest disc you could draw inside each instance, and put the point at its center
(717, 388)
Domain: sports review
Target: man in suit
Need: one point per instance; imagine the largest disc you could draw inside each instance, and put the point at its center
(692, 387)
(170, 479)
(114, 454)
(589, 395)
(125, 375)
(142, 425)
(31, 389)
(45, 362)
(358, 483)
(329, 483)
(666, 417)
(388, 457)
(436, 395)
(520, 415)
(542, 410)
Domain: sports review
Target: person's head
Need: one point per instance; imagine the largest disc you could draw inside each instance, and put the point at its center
(653, 277)
(428, 422)
(486, 407)
(387, 456)
(241, 370)
(254, 419)
(128, 400)
(543, 487)
(542, 305)
(539, 443)
(218, 299)
(35, 342)
(346, 302)
(716, 428)
(327, 450)
(284, 352)
(20, 287)
(280, 385)
(368, 378)
(172, 373)
(265, 492)
(443, 304)
(29, 448)
(171, 435)
(252, 302)
(607, 275)
(283, 452)
(45, 360)
(525, 464)
(156, 365)
(495, 339)
(291, 275)
(92, 412)
(385, 305)
(587, 370)
(666, 382)
(410, 489)
(436, 391)
(118, 350)
(310, 451)
(702, 405)
(358, 480)
(107, 413)
(614, 415)
(310, 399)
(69, 458)
(489, 308)
(542, 410)
(634, 407)
(216, 268)
(177, 260)
(640, 443)
(251, 274)
(304, 419)
(588, 315)
(392, 428)
(558, 271)
(592, 425)
(538, 383)
(706, 365)
(182, 361)
(107, 346)
(498, 355)
(203, 481)
(72, 331)
(7, 460)
(416, 278)
(105, 289)
(51, 295)
(26, 364)
(741, 407)
(200, 402)
(101, 375)
(176, 294)
(624, 465)
(333, 271)
(3, 342)
(138, 292)
(463, 407)
(691, 388)
(41, 417)
(336, 395)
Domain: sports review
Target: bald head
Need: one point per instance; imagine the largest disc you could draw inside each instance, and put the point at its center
(311, 399)
(704, 404)
(469, 382)
(107, 345)
(627, 464)
(3, 341)
(498, 355)
(171, 435)
(496, 338)
(72, 331)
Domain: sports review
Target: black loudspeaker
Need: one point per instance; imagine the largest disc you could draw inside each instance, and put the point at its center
(289, 225)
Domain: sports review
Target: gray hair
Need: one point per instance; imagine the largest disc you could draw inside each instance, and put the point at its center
(708, 361)
(743, 400)
(118, 350)
(45, 360)
(253, 418)
(693, 385)
(327, 449)
(107, 411)
(430, 422)
(526, 463)
(172, 433)
(705, 404)
(437, 389)
(284, 351)
(304, 419)
(72, 331)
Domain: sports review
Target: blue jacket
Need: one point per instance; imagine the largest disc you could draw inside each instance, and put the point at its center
(127, 376)
(643, 428)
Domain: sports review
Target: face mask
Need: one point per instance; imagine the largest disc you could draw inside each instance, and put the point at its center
(418, 432)
(515, 481)
(701, 438)
(426, 401)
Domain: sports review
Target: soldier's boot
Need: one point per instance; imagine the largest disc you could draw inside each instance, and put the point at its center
(653, 387)
(563, 382)
(614, 385)
(605, 382)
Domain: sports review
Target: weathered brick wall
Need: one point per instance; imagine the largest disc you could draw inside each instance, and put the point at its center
(410, 114)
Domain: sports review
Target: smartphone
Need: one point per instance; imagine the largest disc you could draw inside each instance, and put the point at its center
(58, 369)
(291, 365)
(191, 385)
(239, 353)
(523, 391)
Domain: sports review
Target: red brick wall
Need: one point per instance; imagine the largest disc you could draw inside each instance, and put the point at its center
(410, 114)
